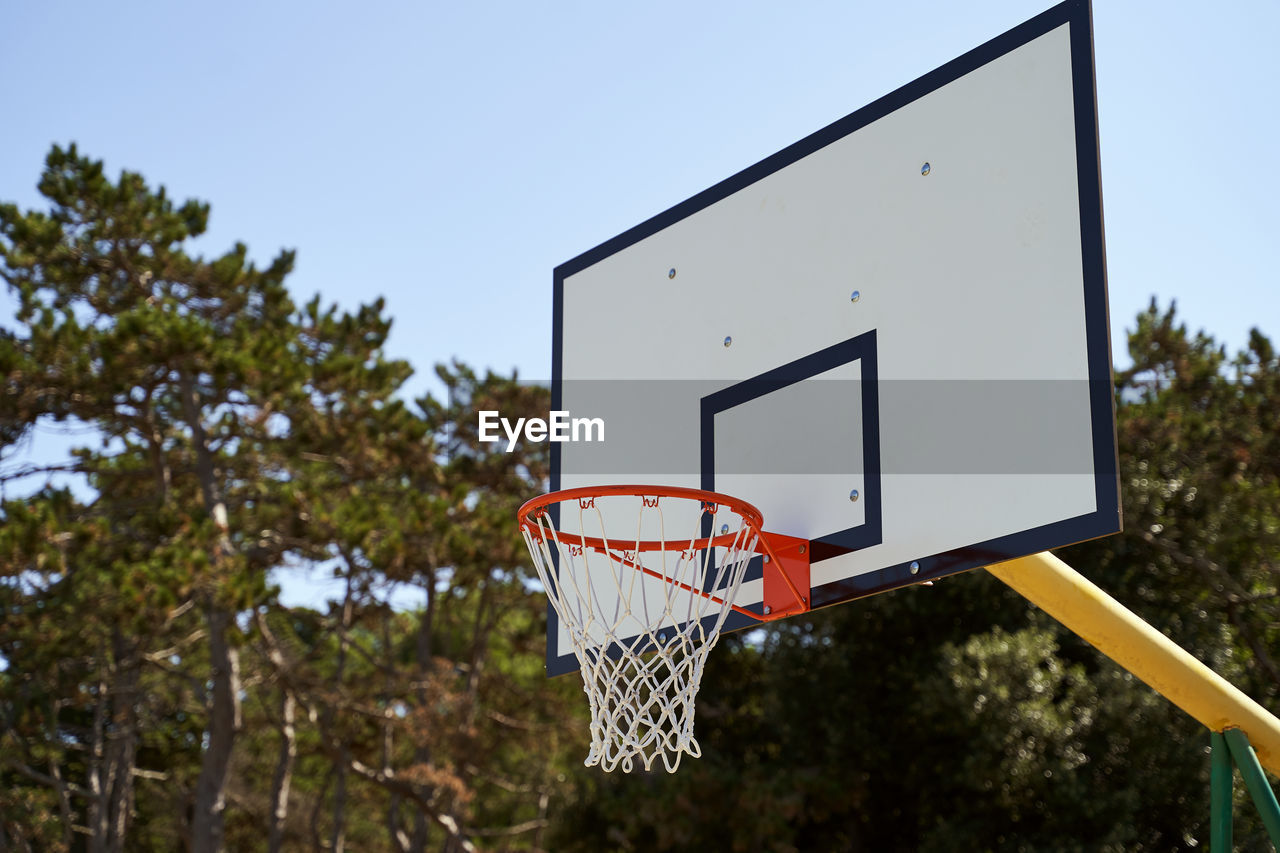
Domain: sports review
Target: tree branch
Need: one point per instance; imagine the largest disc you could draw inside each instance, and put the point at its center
(150, 774)
(45, 779)
(527, 826)
(1212, 573)
(505, 784)
(512, 723)
(32, 470)
(388, 780)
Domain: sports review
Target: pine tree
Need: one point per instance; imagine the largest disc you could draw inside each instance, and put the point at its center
(157, 694)
(191, 371)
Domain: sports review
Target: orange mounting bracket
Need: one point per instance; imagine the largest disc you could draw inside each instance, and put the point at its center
(786, 575)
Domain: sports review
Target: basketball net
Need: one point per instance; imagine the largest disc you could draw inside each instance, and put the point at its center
(642, 591)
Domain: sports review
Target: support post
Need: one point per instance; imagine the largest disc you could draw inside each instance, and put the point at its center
(1256, 781)
(1119, 634)
(1221, 780)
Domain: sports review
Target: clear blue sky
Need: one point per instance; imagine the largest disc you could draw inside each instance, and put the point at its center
(448, 156)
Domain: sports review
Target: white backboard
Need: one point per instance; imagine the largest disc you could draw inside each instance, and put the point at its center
(909, 304)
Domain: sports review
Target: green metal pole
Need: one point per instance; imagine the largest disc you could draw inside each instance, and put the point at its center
(1220, 782)
(1256, 781)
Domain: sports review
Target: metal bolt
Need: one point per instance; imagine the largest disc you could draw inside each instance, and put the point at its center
(915, 567)
(766, 558)
(662, 637)
(767, 610)
(853, 495)
(926, 169)
(671, 273)
(855, 296)
(727, 340)
(801, 549)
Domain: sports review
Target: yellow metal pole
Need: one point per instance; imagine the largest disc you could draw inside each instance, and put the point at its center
(1118, 633)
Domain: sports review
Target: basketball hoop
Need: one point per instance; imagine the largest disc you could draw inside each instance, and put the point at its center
(642, 579)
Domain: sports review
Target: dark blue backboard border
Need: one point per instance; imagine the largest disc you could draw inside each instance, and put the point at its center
(1105, 519)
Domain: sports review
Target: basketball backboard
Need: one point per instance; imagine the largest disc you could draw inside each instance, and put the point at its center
(891, 336)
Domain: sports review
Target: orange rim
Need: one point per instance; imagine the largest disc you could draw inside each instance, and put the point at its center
(538, 506)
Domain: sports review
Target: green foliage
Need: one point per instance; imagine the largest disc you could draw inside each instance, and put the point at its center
(237, 436)
(151, 672)
(1200, 469)
(957, 716)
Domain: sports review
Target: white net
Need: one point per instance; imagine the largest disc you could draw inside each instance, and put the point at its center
(642, 585)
